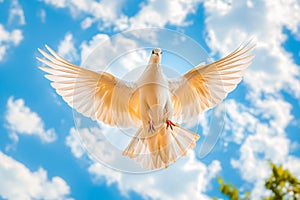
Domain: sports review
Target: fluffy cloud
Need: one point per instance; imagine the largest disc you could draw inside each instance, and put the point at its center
(18, 182)
(236, 127)
(16, 13)
(21, 120)
(110, 51)
(260, 129)
(243, 120)
(73, 142)
(256, 150)
(106, 12)
(162, 184)
(276, 111)
(260, 140)
(8, 39)
(86, 23)
(67, 49)
(156, 13)
(273, 69)
(194, 176)
(87, 47)
(13, 38)
(56, 3)
(292, 163)
(260, 125)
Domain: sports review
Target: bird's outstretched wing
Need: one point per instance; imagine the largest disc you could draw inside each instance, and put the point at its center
(100, 96)
(207, 85)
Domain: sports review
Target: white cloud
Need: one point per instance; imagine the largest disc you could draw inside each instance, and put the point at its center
(56, 3)
(273, 69)
(86, 23)
(105, 145)
(194, 175)
(276, 111)
(109, 54)
(14, 37)
(156, 13)
(105, 12)
(2, 52)
(236, 127)
(8, 39)
(221, 7)
(16, 11)
(18, 182)
(67, 49)
(73, 142)
(293, 164)
(87, 47)
(260, 129)
(256, 150)
(42, 14)
(129, 50)
(243, 120)
(261, 123)
(22, 121)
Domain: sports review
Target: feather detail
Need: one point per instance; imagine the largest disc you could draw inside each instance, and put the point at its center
(100, 96)
(205, 86)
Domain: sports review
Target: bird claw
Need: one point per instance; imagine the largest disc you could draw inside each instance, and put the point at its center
(170, 124)
(151, 127)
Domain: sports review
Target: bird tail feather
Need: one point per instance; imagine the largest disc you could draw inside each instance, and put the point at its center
(160, 149)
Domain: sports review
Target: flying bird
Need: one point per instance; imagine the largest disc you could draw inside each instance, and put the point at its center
(152, 103)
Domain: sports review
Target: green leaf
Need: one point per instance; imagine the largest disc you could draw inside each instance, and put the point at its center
(220, 181)
(247, 194)
(281, 184)
(280, 170)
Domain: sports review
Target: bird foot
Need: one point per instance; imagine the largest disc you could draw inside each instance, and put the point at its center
(170, 124)
(151, 127)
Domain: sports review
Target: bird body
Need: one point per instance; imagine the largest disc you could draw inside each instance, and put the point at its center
(154, 94)
(151, 103)
(156, 145)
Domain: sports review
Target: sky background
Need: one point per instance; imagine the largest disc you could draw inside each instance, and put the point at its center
(40, 155)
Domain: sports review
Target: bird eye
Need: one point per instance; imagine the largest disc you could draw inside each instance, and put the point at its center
(161, 52)
(152, 51)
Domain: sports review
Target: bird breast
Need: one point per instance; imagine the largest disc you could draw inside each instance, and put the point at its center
(153, 75)
(153, 86)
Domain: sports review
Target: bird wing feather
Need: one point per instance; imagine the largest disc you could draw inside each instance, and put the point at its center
(100, 96)
(207, 85)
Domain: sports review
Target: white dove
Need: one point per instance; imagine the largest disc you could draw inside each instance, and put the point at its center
(151, 102)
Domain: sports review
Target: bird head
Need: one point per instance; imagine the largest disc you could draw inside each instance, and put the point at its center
(156, 51)
(156, 55)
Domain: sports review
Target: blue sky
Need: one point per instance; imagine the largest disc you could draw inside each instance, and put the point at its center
(40, 156)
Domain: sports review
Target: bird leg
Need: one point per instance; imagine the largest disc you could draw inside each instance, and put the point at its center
(170, 124)
(151, 127)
